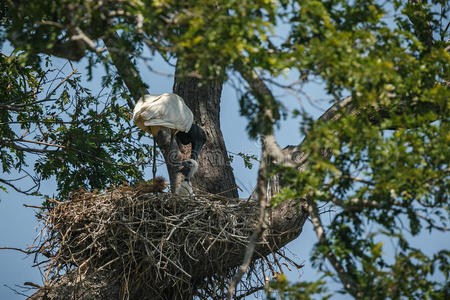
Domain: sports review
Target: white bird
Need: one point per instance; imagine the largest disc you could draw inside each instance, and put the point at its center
(190, 167)
(152, 112)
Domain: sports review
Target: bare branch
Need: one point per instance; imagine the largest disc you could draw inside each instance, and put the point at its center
(261, 226)
(348, 282)
(271, 153)
(80, 35)
(17, 249)
(16, 291)
(125, 68)
(28, 191)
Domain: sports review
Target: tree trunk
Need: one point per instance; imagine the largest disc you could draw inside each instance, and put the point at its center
(215, 174)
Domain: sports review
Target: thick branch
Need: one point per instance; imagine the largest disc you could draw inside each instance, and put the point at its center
(274, 155)
(271, 153)
(72, 50)
(126, 69)
(263, 93)
(68, 48)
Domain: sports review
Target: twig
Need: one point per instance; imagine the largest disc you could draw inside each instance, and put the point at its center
(16, 291)
(33, 206)
(348, 283)
(17, 249)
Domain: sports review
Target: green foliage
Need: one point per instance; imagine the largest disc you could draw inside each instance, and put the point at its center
(300, 291)
(210, 34)
(248, 159)
(53, 127)
(387, 168)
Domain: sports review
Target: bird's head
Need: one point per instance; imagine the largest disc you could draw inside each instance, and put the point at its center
(189, 168)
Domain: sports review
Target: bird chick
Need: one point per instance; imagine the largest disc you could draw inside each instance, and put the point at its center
(159, 184)
(190, 167)
(185, 189)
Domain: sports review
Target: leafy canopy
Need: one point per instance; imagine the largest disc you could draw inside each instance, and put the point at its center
(53, 125)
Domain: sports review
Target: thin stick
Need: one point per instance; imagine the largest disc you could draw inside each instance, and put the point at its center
(348, 283)
(17, 249)
(260, 227)
(154, 158)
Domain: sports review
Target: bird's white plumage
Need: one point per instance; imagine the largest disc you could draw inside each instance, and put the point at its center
(185, 189)
(165, 110)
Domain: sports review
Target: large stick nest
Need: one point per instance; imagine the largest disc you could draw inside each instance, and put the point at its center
(146, 244)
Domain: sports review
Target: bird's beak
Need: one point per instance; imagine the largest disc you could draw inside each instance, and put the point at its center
(185, 168)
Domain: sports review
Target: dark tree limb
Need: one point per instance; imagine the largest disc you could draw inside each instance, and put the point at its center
(215, 174)
(271, 154)
(261, 225)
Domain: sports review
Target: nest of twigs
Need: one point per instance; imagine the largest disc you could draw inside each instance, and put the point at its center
(145, 245)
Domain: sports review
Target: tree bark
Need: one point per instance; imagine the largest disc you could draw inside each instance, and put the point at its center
(214, 174)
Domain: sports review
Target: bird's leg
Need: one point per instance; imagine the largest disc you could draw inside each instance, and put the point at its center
(186, 167)
(154, 158)
(172, 135)
(190, 166)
